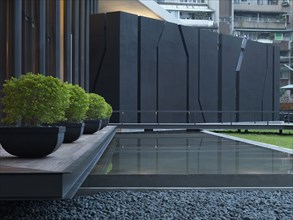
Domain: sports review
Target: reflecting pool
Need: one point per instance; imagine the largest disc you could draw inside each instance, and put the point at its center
(188, 153)
(188, 159)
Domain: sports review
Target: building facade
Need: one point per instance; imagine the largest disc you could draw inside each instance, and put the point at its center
(202, 13)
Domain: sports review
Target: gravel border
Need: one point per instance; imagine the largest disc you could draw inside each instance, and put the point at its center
(158, 204)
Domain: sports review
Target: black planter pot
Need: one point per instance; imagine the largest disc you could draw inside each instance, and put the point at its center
(105, 122)
(92, 126)
(73, 131)
(31, 142)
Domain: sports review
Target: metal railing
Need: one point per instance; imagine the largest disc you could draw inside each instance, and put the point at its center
(200, 117)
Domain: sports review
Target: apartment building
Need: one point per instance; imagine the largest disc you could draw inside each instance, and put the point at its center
(268, 21)
(202, 13)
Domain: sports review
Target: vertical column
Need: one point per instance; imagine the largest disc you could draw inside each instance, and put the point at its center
(95, 6)
(76, 42)
(92, 6)
(3, 22)
(87, 46)
(57, 37)
(17, 38)
(42, 37)
(68, 41)
(82, 42)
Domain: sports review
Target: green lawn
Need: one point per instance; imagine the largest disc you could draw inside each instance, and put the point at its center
(266, 136)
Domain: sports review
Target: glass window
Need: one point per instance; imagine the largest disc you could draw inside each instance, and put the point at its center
(260, 2)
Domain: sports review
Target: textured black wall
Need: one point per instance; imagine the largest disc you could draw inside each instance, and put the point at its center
(156, 71)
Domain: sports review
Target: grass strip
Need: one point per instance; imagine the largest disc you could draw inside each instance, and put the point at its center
(265, 136)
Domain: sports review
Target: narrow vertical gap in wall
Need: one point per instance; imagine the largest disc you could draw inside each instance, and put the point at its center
(139, 70)
(220, 78)
(198, 72)
(187, 73)
(157, 71)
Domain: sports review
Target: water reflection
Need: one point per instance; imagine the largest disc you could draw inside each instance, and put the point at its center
(188, 153)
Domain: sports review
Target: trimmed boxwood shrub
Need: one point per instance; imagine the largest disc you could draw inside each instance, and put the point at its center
(78, 103)
(34, 99)
(109, 110)
(97, 107)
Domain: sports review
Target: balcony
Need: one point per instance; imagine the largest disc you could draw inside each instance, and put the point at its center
(201, 23)
(185, 2)
(254, 7)
(242, 22)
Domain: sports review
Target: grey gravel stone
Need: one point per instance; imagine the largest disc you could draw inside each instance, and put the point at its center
(164, 204)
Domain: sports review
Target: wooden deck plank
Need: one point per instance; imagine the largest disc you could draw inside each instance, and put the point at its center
(58, 161)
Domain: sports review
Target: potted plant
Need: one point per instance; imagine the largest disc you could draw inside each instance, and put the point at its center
(106, 115)
(75, 113)
(97, 107)
(29, 102)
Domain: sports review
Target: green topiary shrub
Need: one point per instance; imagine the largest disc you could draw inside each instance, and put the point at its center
(78, 103)
(34, 99)
(97, 107)
(109, 110)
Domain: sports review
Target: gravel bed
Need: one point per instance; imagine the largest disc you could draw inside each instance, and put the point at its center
(160, 204)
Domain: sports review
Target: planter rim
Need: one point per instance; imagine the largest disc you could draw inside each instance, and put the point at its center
(52, 129)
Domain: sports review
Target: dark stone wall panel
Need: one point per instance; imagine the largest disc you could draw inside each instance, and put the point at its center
(231, 47)
(190, 36)
(252, 78)
(171, 75)
(128, 66)
(150, 32)
(106, 72)
(143, 64)
(209, 75)
(98, 46)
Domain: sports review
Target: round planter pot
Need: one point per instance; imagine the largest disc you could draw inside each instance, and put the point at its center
(92, 126)
(105, 122)
(73, 131)
(31, 142)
